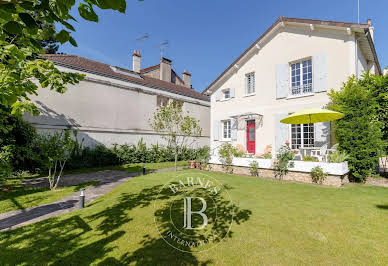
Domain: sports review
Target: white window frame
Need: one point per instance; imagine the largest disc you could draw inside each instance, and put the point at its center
(224, 94)
(247, 87)
(301, 89)
(302, 144)
(227, 130)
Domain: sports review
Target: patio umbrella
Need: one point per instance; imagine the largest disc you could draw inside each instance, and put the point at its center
(315, 115)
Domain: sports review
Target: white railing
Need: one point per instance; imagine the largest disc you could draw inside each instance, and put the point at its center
(302, 89)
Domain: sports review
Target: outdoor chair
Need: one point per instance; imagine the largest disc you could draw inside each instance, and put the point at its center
(320, 153)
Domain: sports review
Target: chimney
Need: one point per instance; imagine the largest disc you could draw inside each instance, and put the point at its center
(371, 29)
(165, 69)
(136, 61)
(187, 78)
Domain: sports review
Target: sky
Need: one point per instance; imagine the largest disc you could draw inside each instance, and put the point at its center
(205, 37)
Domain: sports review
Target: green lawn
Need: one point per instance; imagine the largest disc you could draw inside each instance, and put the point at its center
(21, 197)
(279, 223)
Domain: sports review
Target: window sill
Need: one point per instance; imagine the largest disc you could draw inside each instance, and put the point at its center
(225, 100)
(300, 95)
(226, 140)
(249, 95)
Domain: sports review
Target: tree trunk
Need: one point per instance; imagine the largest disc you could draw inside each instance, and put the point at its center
(176, 159)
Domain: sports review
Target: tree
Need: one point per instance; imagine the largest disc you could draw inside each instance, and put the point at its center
(21, 38)
(359, 132)
(54, 151)
(177, 129)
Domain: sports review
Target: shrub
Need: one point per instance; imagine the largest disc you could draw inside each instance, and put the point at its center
(309, 158)
(254, 168)
(268, 155)
(317, 175)
(227, 152)
(5, 164)
(283, 161)
(203, 157)
(359, 132)
(338, 157)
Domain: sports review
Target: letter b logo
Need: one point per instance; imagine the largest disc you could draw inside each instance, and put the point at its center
(188, 213)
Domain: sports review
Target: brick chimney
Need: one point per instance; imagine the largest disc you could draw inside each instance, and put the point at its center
(187, 78)
(371, 29)
(165, 69)
(136, 61)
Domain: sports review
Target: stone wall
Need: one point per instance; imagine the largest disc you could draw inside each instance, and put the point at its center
(331, 180)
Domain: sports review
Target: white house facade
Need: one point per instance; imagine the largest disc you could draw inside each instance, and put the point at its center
(113, 105)
(291, 67)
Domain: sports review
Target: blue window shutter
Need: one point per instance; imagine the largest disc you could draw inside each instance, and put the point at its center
(216, 130)
(282, 80)
(281, 131)
(218, 95)
(234, 125)
(232, 93)
(319, 73)
(321, 134)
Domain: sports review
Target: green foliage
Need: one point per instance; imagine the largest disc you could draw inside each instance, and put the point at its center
(283, 161)
(23, 33)
(239, 153)
(203, 157)
(359, 132)
(268, 155)
(177, 129)
(317, 175)
(54, 150)
(309, 158)
(254, 168)
(5, 164)
(227, 152)
(338, 157)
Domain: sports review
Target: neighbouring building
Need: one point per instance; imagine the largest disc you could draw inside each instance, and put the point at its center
(289, 68)
(114, 105)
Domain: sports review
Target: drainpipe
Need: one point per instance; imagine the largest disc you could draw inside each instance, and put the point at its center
(356, 54)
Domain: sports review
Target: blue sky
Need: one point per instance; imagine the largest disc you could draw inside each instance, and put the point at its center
(206, 36)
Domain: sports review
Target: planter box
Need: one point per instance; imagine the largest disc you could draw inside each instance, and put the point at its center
(301, 172)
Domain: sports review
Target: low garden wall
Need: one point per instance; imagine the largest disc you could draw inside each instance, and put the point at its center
(301, 172)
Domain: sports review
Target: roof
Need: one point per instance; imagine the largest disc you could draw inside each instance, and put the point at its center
(87, 65)
(282, 19)
(152, 68)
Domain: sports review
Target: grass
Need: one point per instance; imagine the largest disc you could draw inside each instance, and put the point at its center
(277, 223)
(20, 198)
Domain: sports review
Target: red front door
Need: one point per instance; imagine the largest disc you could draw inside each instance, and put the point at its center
(251, 136)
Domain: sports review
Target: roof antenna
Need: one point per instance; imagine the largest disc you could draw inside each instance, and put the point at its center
(358, 11)
(163, 46)
(141, 39)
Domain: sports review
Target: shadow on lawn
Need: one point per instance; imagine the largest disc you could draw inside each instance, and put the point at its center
(383, 207)
(70, 241)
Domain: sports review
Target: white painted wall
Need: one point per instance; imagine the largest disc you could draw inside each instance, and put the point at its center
(289, 44)
(104, 113)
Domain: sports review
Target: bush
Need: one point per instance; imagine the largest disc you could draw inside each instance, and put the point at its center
(309, 158)
(317, 175)
(254, 168)
(283, 161)
(5, 164)
(227, 152)
(359, 132)
(268, 155)
(203, 157)
(338, 157)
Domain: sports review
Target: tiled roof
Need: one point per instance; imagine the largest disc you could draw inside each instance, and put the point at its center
(87, 65)
(300, 20)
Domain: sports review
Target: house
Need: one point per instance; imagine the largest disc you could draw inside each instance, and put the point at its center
(289, 68)
(113, 104)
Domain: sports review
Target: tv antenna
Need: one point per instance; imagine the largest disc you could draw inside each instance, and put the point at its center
(163, 46)
(358, 11)
(141, 39)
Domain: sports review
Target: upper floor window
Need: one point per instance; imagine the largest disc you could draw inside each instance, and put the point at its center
(226, 93)
(227, 132)
(250, 83)
(301, 77)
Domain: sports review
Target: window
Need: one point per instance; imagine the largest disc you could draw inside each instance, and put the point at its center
(227, 130)
(250, 83)
(161, 101)
(226, 94)
(302, 135)
(301, 77)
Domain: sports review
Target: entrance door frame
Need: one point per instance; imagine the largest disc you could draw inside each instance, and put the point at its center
(246, 134)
